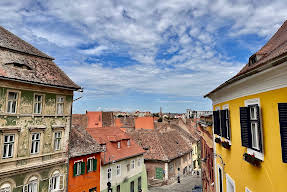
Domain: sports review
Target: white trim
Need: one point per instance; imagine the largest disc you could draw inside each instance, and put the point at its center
(226, 106)
(258, 155)
(270, 79)
(217, 173)
(91, 165)
(228, 178)
(247, 190)
(78, 161)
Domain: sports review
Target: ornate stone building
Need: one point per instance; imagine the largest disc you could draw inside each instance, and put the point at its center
(35, 116)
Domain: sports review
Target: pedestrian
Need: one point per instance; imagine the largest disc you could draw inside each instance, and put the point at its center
(178, 175)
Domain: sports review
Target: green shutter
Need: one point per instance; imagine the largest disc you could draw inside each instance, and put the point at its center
(75, 169)
(95, 163)
(83, 166)
(88, 166)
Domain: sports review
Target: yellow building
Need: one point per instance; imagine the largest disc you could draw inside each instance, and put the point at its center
(250, 123)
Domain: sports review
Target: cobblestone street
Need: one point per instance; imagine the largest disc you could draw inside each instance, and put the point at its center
(186, 185)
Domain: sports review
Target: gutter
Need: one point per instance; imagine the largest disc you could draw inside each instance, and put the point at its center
(274, 62)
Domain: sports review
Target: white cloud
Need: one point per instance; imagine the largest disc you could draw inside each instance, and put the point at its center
(95, 51)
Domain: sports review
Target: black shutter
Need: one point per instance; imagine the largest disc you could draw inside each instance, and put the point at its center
(282, 108)
(245, 127)
(216, 122)
(223, 123)
(259, 128)
(228, 124)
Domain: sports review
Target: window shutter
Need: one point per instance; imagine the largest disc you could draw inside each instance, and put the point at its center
(216, 122)
(259, 128)
(223, 123)
(95, 163)
(88, 166)
(228, 124)
(83, 166)
(50, 184)
(282, 107)
(61, 182)
(75, 169)
(245, 127)
(25, 188)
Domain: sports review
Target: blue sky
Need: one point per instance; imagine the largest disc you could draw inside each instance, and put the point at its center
(140, 55)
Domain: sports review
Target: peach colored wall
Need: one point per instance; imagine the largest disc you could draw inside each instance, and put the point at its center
(144, 123)
(95, 119)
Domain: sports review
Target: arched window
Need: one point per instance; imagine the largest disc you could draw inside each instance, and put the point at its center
(6, 187)
(32, 185)
(56, 182)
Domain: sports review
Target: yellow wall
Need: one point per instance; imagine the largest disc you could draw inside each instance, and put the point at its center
(272, 175)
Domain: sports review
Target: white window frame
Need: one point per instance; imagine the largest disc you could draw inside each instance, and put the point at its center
(224, 107)
(119, 144)
(119, 170)
(60, 103)
(109, 173)
(218, 183)
(26, 187)
(133, 164)
(57, 140)
(6, 187)
(56, 177)
(92, 164)
(230, 180)
(79, 168)
(139, 162)
(37, 102)
(34, 143)
(128, 142)
(257, 154)
(7, 144)
(16, 100)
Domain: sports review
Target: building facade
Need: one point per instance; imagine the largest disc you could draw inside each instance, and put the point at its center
(35, 112)
(250, 122)
(84, 161)
(207, 155)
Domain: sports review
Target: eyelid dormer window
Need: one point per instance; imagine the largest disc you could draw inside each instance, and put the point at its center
(252, 60)
(19, 65)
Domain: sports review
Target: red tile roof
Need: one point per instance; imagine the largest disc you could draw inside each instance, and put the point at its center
(163, 146)
(110, 136)
(35, 66)
(273, 49)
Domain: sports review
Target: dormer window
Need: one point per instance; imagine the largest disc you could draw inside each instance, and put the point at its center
(19, 65)
(119, 145)
(252, 59)
(129, 143)
(104, 147)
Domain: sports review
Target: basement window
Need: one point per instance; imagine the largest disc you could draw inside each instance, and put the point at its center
(19, 65)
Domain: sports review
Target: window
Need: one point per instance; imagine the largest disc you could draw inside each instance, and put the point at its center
(282, 108)
(221, 123)
(119, 144)
(35, 147)
(132, 187)
(230, 185)
(12, 102)
(57, 141)
(133, 164)
(60, 105)
(220, 182)
(118, 170)
(8, 146)
(38, 104)
(139, 183)
(32, 185)
(79, 168)
(250, 127)
(109, 174)
(93, 189)
(118, 188)
(128, 167)
(139, 162)
(128, 143)
(56, 182)
(6, 187)
(92, 164)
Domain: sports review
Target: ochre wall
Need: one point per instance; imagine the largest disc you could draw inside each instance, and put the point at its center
(83, 183)
(272, 174)
(144, 123)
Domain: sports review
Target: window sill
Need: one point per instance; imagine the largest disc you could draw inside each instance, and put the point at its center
(256, 154)
(252, 160)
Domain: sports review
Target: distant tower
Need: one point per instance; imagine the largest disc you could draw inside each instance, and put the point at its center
(160, 113)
